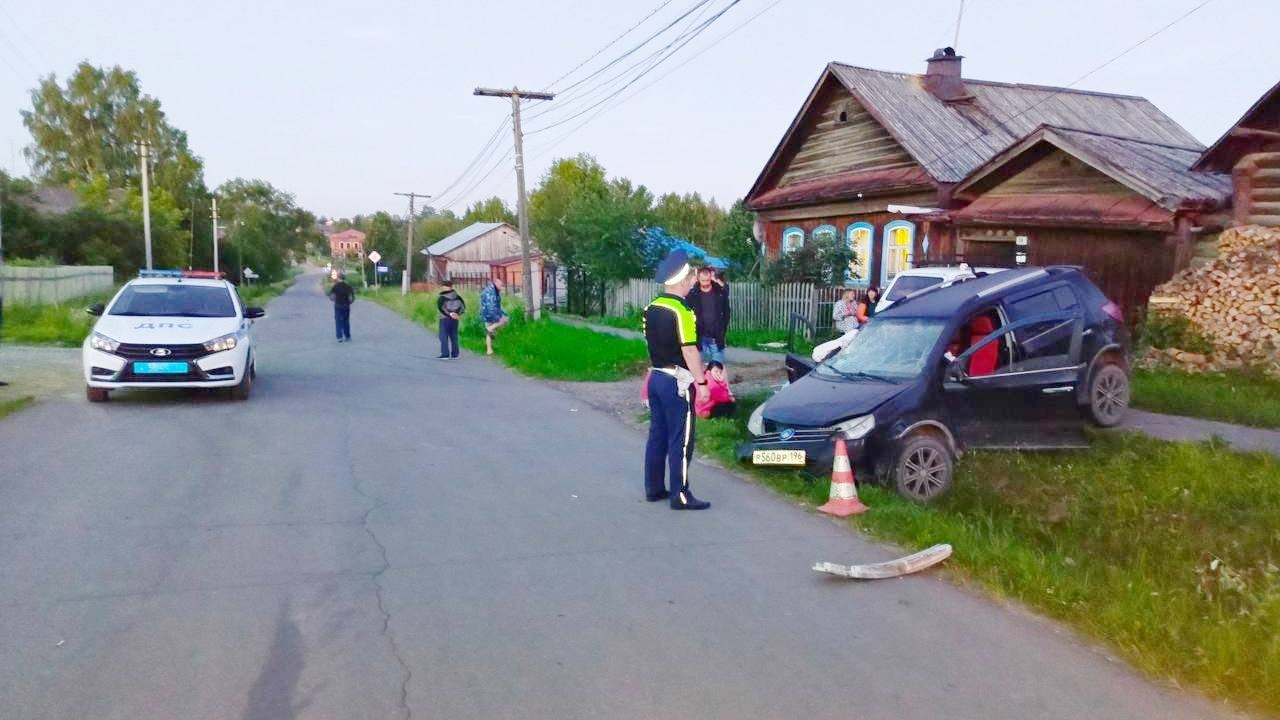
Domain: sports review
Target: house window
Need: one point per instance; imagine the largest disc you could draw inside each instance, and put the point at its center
(825, 233)
(859, 236)
(899, 241)
(792, 239)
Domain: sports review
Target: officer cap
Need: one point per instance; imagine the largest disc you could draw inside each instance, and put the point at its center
(674, 268)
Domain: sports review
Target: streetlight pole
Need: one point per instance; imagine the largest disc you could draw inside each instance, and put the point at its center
(408, 242)
(531, 310)
(215, 234)
(143, 156)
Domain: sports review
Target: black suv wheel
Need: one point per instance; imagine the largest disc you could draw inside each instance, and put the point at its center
(1108, 395)
(923, 469)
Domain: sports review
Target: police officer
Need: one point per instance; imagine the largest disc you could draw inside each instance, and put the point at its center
(671, 331)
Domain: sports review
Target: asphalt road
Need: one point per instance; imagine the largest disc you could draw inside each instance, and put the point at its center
(376, 534)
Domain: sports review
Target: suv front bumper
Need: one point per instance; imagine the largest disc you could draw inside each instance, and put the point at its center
(819, 447)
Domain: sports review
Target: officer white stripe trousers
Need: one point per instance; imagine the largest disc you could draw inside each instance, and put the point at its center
(670, 444)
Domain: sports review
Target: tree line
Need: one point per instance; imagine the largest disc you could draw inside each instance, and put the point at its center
(85, 139)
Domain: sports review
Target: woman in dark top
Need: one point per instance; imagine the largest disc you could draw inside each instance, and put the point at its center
(867, 306)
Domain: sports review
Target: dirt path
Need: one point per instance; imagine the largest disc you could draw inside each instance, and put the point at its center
(40, 372)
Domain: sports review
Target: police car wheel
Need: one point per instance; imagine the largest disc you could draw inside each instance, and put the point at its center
(96, 395)
(241, 390)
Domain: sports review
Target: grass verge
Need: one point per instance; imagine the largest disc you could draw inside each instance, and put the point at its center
(8, 407)
(64, 324)
(1166, 551)
(260, 295)
(542, 348)
(1241, 397)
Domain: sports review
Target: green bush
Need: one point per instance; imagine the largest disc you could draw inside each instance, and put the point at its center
(1169, 330)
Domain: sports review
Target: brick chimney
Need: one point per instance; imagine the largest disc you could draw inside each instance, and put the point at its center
(942, 76)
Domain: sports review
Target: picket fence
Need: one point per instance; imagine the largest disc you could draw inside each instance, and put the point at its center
(22, 285)
(752, 304)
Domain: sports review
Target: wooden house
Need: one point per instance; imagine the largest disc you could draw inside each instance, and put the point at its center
(482, 251)
(892, 162)
(1250, 152)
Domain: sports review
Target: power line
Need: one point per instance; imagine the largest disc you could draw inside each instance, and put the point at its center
(611, 43)
(488, 145)
(660, 78)
(697, 31)
(461, 193)
(635, 49)
(604, 85)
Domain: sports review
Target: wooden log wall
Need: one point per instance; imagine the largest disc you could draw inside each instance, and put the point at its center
(831, 146)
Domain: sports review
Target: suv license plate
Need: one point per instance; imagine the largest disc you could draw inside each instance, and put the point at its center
(778, 457)
(160, 368)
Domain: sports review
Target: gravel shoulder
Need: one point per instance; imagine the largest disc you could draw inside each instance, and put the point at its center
(40, 372)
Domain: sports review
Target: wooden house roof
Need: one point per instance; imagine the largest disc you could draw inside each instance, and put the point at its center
(463, 236)
(1258, 130)
(1159, 172)
(951, 139)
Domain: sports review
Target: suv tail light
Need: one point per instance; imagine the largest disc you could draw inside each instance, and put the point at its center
(1113, 310)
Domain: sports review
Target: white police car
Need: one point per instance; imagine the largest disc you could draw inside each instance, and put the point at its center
(170, 328)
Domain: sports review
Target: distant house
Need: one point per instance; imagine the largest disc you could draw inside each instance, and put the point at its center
(486, 250)
(936, 168)
(1250, 152)
(347, 244)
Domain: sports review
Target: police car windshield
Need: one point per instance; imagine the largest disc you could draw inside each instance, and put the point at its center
(175, 300)
(908, 284)
(888, 348)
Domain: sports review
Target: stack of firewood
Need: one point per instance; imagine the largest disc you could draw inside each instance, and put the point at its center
(1233, 301)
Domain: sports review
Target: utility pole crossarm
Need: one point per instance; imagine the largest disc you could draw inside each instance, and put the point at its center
(522, 94)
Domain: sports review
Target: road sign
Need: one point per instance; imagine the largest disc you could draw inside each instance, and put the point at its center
(383, 269)
(375, 256)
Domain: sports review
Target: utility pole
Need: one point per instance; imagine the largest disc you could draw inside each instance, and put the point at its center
(143, 156)
(215, 234)
(408, 242)
(531, 310)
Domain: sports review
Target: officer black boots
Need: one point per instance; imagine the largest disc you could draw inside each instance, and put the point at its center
(684, 500)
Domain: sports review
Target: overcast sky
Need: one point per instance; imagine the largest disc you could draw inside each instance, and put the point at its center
(343, 104)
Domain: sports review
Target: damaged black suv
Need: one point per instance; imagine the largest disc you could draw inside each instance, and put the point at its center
(1017, 359)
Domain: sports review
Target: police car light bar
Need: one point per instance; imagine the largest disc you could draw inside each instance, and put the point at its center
(160, 273)
(204, 274)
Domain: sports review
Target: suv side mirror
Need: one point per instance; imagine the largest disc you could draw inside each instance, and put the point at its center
(253, 313)
(95, 309)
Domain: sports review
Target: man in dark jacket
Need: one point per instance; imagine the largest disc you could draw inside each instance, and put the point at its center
(710, 302)
(451, 307)
(342, 296)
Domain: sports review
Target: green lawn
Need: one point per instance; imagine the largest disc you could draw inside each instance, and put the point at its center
(260, 295)
(64, 324)
(1245, 398)
(1166, 551)
(544, 349)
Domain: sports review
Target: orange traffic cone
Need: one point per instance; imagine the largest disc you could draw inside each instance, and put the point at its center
(843, 500)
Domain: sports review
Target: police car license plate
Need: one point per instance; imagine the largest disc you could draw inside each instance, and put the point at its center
(777, 457)
(160, 368)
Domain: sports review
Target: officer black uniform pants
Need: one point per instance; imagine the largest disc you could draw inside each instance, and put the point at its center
(670, 436)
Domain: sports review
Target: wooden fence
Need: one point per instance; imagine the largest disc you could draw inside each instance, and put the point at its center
(753, 305)
(23, 285)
